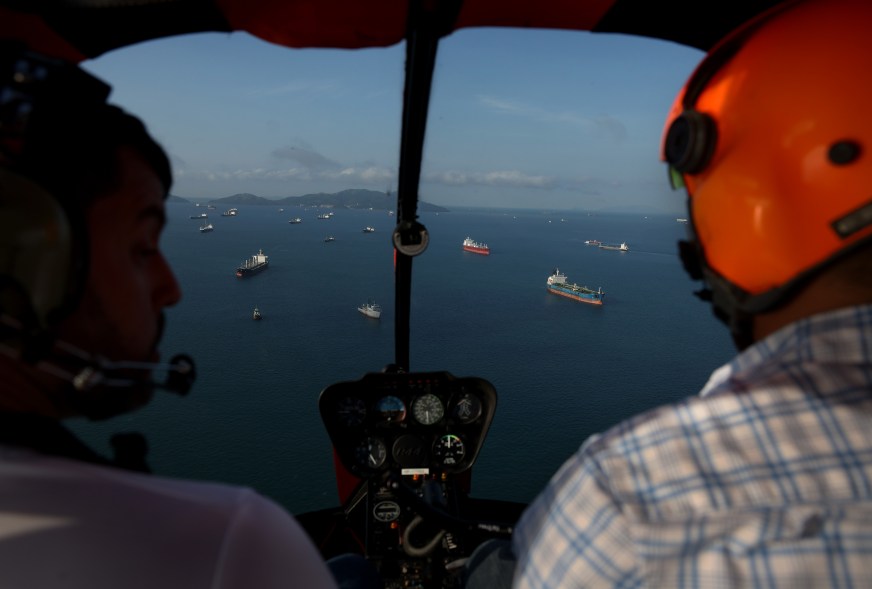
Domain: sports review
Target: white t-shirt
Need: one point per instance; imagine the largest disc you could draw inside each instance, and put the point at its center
(66, 524)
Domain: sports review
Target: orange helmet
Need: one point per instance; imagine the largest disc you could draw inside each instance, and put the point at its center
(772, 138)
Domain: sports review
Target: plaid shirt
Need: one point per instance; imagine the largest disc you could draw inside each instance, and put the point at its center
(763, 480)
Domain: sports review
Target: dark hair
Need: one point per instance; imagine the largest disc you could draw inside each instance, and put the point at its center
(73, 153)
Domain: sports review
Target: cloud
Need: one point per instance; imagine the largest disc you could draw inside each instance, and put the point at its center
(352, 175)
(308, 158)
(494, 178)
(601, 126)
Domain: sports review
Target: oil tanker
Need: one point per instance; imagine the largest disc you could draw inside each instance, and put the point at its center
(473, 246)
(557, 285)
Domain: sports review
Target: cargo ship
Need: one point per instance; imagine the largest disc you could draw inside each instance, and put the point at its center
(470, 245)
(253, 265)
(621, 248)
(370, 309)
(557, 285)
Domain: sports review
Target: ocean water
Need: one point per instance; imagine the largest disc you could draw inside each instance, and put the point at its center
(563, 370)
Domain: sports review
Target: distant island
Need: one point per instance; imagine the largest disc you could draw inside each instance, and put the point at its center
(354, 198)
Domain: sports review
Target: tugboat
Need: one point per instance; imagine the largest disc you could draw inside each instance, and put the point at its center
(256, 263)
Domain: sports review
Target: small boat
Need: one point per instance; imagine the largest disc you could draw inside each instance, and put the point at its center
(256, 314)
(295, 221)
(206, 227)
(329, 238)
(370, 309)
(621, 248)
(593, 242)
(369, 229)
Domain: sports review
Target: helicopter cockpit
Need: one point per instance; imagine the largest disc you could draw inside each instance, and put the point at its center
(404, 441)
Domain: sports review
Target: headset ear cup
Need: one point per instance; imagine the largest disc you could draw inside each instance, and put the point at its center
(37, 254)
(690, 142)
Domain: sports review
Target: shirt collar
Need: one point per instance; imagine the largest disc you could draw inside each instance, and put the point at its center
(843, 336)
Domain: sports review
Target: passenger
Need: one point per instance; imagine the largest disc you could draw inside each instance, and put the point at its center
(83, 284)
(765, 478)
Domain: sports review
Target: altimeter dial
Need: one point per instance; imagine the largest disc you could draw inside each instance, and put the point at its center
(428, 409)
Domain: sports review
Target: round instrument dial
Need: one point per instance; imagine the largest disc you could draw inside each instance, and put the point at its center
(427, 409)
(391, 408)
(350, 411)
(371, 452)
(449, 450)
(468, 408)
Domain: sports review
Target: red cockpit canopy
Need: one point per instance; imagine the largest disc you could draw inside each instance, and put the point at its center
(83, 29)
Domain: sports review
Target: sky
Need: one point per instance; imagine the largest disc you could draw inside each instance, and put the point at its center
(549, 120)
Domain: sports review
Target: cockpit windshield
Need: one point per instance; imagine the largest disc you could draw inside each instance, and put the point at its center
(540, 177)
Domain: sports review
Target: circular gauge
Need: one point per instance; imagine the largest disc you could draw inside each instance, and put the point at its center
(427, 409)
(386, 511)
(391, 408)
(350, 411)
(449, 450)
(370, 452)
(468, 408)
(410, 451)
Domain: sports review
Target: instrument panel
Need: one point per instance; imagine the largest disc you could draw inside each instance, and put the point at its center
(417, 423)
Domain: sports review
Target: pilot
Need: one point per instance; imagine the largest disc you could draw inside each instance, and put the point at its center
(765, 478)
(83, 286)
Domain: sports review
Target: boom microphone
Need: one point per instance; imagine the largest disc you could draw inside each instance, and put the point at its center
(180, 375)
(87, 371)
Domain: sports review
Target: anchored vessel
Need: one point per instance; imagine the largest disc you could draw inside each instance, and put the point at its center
(369, 229)
(470, 245)
(557, 285)
(206, 227)
(295, 221)
(256, 314)
(621, 248)
(370, 309)
(253, 265)
(229, 213)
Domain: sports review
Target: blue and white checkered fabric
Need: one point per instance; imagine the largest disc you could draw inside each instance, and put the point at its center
(763, 480)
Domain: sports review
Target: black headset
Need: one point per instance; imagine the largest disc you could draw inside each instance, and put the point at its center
(43, 244)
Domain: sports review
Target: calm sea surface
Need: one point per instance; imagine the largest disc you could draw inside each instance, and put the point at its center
(563, 370)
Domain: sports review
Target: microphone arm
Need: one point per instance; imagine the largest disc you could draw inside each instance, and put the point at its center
(181, 374)
(97, 370)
